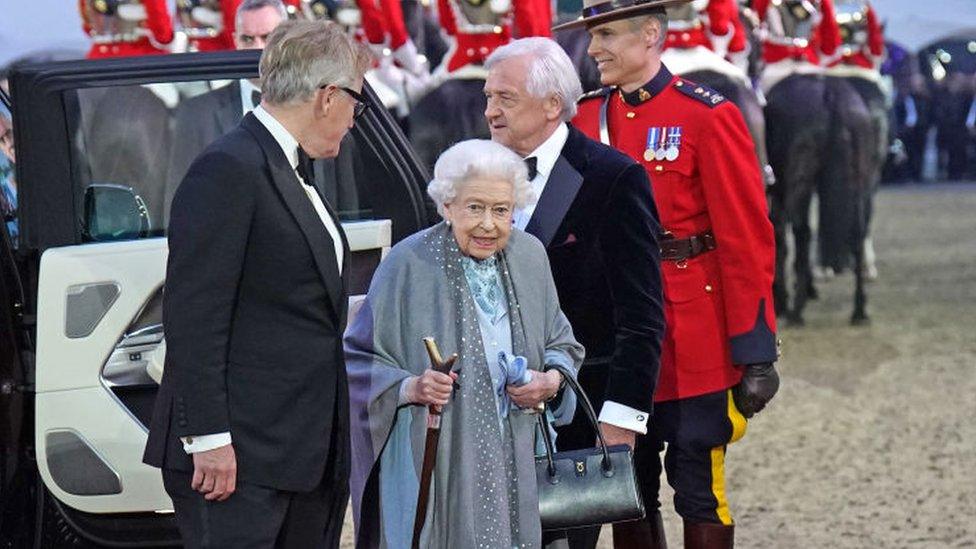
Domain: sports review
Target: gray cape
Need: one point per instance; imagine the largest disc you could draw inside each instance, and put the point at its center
(483, 492)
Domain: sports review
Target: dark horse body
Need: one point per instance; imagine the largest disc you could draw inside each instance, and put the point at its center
(833, 251)
(820, 139)
(451, 112)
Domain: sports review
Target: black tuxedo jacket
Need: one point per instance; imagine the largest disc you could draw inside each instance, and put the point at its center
(253, 312)
(598, 221)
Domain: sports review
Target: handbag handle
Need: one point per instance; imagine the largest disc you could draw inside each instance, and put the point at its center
(590, 414)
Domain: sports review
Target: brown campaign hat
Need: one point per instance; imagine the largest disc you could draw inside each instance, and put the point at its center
(601, 11)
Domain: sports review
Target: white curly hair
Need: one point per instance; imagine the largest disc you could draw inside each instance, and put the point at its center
(478, 159)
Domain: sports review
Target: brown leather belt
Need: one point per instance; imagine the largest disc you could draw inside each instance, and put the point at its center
(683, 249)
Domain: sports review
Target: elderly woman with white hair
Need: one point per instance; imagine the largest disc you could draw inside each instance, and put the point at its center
(483, 290)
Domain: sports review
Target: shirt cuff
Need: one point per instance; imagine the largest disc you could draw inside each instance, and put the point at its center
(402, 398)
(624, 417)
(202, 443)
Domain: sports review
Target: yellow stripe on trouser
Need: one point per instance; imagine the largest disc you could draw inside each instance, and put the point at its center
(718, 462)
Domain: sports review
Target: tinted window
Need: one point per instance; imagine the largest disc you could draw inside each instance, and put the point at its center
(144, 137)
(8, 181)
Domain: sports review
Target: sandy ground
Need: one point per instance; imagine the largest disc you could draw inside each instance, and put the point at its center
(871, 442)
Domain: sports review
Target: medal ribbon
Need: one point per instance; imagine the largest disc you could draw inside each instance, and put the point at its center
(652, 137)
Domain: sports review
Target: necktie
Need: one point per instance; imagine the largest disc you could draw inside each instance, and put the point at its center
(532, 163)
(305, 168)
(255, 98)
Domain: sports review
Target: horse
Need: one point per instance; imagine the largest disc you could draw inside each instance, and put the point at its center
(820, 139)
(453, 111)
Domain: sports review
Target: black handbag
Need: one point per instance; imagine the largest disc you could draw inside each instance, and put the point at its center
(585, 487)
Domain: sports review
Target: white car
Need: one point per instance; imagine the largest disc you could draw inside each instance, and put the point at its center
(101, 146)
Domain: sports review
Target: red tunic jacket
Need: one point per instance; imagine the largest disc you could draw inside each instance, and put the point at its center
(225, 40)
(382, 18)
(869, 56)
(718, 306)
(723, 16)
(157, 23)
(474, 45)
(825, 40)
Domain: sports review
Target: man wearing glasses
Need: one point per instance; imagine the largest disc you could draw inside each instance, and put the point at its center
(251, 421)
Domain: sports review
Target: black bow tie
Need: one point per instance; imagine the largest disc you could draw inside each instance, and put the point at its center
(306, 167)
(532, 163)
(255, 98)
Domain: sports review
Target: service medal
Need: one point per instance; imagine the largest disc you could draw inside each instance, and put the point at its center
(660, 154)
(672, 153)
(648, 155)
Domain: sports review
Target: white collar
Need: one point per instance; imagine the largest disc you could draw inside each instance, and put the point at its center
(548, 152)
(285, 140)
(247, 89)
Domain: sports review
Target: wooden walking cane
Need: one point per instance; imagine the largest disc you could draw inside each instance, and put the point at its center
(430, 445)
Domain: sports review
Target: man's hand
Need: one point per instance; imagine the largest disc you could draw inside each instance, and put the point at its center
(614, 435)
(215, 473)
(431, 388)
(544, 385)
(758, 386)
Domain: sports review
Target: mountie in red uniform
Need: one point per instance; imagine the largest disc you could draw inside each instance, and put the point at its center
(125, 28)
(801, 31)
(710, 196)
(861, 35)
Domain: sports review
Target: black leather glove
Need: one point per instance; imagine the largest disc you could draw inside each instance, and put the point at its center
(758, 386)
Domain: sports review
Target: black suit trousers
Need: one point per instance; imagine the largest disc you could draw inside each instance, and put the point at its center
(261, 517)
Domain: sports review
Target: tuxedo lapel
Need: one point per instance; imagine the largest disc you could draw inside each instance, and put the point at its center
(290, 188)
(557, 196)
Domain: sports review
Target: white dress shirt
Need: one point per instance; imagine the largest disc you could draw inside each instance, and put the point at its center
(202, 443)
(247, 93)
(546, 156)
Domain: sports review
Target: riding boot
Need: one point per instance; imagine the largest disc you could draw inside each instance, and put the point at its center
(708, 535)
(641, 534)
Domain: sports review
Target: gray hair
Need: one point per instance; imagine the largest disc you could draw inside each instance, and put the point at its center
(254, 5)
(662, 18)
(551, 71)
(303, 56)
(478, 158)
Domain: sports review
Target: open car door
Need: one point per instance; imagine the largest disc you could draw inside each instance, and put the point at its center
(102, 146)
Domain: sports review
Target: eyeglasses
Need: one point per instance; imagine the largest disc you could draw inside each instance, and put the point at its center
(477, 211)
(361, 102)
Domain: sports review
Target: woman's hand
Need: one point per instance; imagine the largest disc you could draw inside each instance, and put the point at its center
(544, 385)
(431, 388)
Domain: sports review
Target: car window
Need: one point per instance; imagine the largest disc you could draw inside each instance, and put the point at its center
(144, 137)
(8, 181)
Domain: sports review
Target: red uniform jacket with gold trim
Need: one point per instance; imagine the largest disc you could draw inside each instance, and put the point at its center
(157, 24)
(824, 41)
(225, 40)
(475, 42)
(722, 17)
(718, 305)
(869, 56)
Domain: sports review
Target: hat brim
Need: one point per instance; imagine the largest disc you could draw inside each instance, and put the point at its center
(621, 13)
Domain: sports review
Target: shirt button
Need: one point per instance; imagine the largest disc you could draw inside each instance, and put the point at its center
(708, 288)
(631, 115)
(640, 418)
(189, 440)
